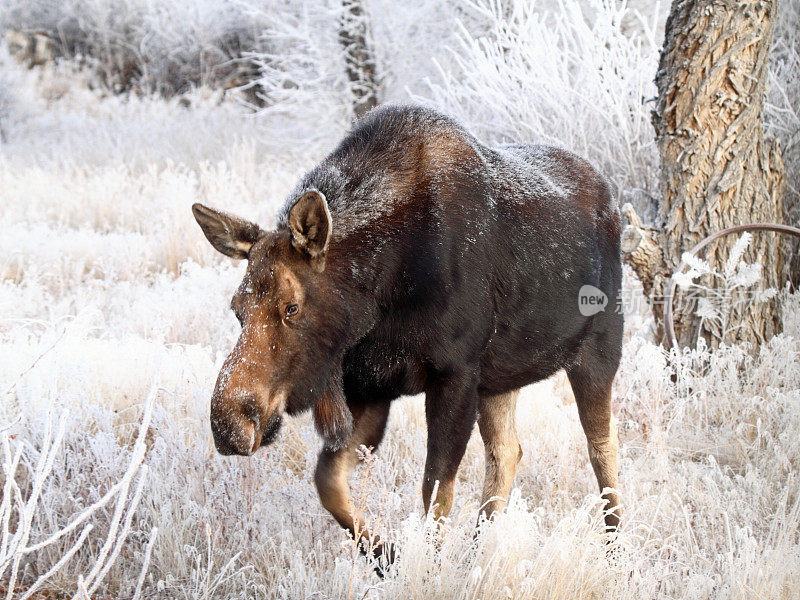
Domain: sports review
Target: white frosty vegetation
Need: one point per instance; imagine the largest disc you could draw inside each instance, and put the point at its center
(719, 292)
(20, 506)
(145, 46)
(114, 323)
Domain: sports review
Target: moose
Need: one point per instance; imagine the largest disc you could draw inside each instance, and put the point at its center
(416, 259)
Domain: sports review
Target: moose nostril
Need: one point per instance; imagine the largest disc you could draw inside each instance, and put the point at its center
(252, 410)
(239, 432)
(221, 439)
(224, 449)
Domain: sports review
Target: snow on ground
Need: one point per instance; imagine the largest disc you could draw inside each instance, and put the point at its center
(108, 291)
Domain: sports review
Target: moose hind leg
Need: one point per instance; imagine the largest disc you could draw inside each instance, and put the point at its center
(497, 423)
(451, 405)
(591, 381)
(335, 466)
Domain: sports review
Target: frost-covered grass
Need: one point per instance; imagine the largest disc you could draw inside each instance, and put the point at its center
(109, 295)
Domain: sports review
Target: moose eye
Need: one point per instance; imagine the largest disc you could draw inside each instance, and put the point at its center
(291, 310)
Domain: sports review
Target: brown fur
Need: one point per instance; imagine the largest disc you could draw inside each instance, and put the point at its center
(497, 423)
(332, 417)
(593, 398)
(228, 234)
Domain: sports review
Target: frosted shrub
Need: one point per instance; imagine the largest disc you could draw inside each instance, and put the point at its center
(720, 294)
(161, 47)
(12, 99)
(554, 76)
(416, 39)
(7, 106)
(303, 72)
(24, 511)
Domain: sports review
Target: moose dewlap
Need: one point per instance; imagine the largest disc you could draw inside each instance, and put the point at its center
(416, 259)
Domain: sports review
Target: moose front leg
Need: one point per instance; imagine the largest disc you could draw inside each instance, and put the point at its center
(451, 404)
(335, 466)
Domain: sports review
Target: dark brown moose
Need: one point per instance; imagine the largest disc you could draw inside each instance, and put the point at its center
(416, 259)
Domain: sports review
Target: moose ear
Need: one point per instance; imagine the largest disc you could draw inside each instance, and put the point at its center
(230, 235)
(332, 417)
(310, 222)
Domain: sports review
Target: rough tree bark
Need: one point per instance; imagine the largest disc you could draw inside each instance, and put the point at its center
(358, 57)
(717, 169)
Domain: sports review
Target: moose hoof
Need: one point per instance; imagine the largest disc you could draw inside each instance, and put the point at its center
(380, 554)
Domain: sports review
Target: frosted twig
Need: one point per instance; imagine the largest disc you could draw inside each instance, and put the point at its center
(61, 562)
(136, 460)
(82, 594)
(145, 563)
(110, 538)
(34, 363)
(26, 509)
(123, 534)
(9, 468)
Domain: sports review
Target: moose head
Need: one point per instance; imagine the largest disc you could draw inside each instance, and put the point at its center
(294, 323)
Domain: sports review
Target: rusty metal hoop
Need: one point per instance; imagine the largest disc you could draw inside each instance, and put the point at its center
(669, 326)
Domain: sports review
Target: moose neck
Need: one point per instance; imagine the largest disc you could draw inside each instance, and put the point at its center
(361, 267)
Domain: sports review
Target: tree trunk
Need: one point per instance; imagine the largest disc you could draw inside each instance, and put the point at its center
(358, 57)
(717, 169)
